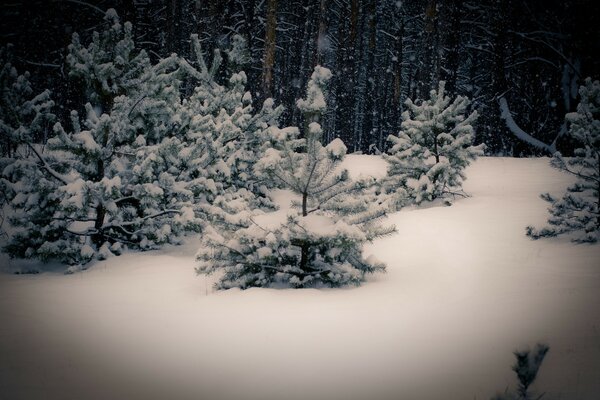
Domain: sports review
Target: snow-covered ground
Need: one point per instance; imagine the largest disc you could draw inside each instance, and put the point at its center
(464, 288)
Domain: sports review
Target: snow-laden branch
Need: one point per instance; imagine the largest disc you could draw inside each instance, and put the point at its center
(520, 133)
(86, 4)
(64, 179)
(40, 64)
(140, 220)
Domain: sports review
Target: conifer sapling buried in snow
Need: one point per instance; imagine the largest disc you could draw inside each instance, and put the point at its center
(320, 241)
(96, 187)
(428, 157)
(578, 211)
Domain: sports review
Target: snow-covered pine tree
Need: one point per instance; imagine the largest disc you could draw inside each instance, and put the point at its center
(435, 144)
(578, 211)
(321, 244)
(25, 119)
(96, 188)
(220, 121)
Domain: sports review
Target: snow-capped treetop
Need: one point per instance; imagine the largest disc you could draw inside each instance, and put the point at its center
(24, 116)
(314, 103)
(202, 73)
(585, 122)
(110, 64)
(336, 149)
(238, 55)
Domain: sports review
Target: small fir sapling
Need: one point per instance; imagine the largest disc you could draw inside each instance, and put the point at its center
(238, 55)
(428, 157)
(321, 243)
(578, 211)
(526, 367)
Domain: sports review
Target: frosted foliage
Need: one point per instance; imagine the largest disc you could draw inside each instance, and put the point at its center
(24, 115)
(314, 102)
(113, 178)
(319, 242)
(428, 157)
(110, 65)
(577, 211)
(238, 55)
(222, 123)
(140, 165)
(336, 149)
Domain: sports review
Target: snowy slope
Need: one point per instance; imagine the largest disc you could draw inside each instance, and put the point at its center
(464, 288)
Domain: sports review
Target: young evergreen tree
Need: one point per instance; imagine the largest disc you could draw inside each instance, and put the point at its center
(321, 244)
(428, 157)
(220, 124)
(108, 181)
(578, 211)
(526, 367)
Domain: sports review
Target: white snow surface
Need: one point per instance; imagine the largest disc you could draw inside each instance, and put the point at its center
(464, 288)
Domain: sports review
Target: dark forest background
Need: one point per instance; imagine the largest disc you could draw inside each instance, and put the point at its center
(533, 53)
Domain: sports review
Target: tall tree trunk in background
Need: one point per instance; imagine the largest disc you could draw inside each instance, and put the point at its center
(269, 57)
(375, 95)
(348, 83)
(341, 85)
(249, 17)
(538, 51)
(321, 42)
(306, 51)
(397, 70)
(361, 57)
(429, 68)
(354, 8)
(499, 83)
(172, 26)
(499, 50)
(450, 62)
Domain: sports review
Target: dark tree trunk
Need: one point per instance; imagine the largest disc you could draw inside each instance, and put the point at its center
(320, 42)
(497, 137)
(449, 72)
(269, 57)
(98, 237)
(429, 68)
(304, 246)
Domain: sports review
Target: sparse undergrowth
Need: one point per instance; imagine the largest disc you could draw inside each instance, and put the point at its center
(526, 367)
